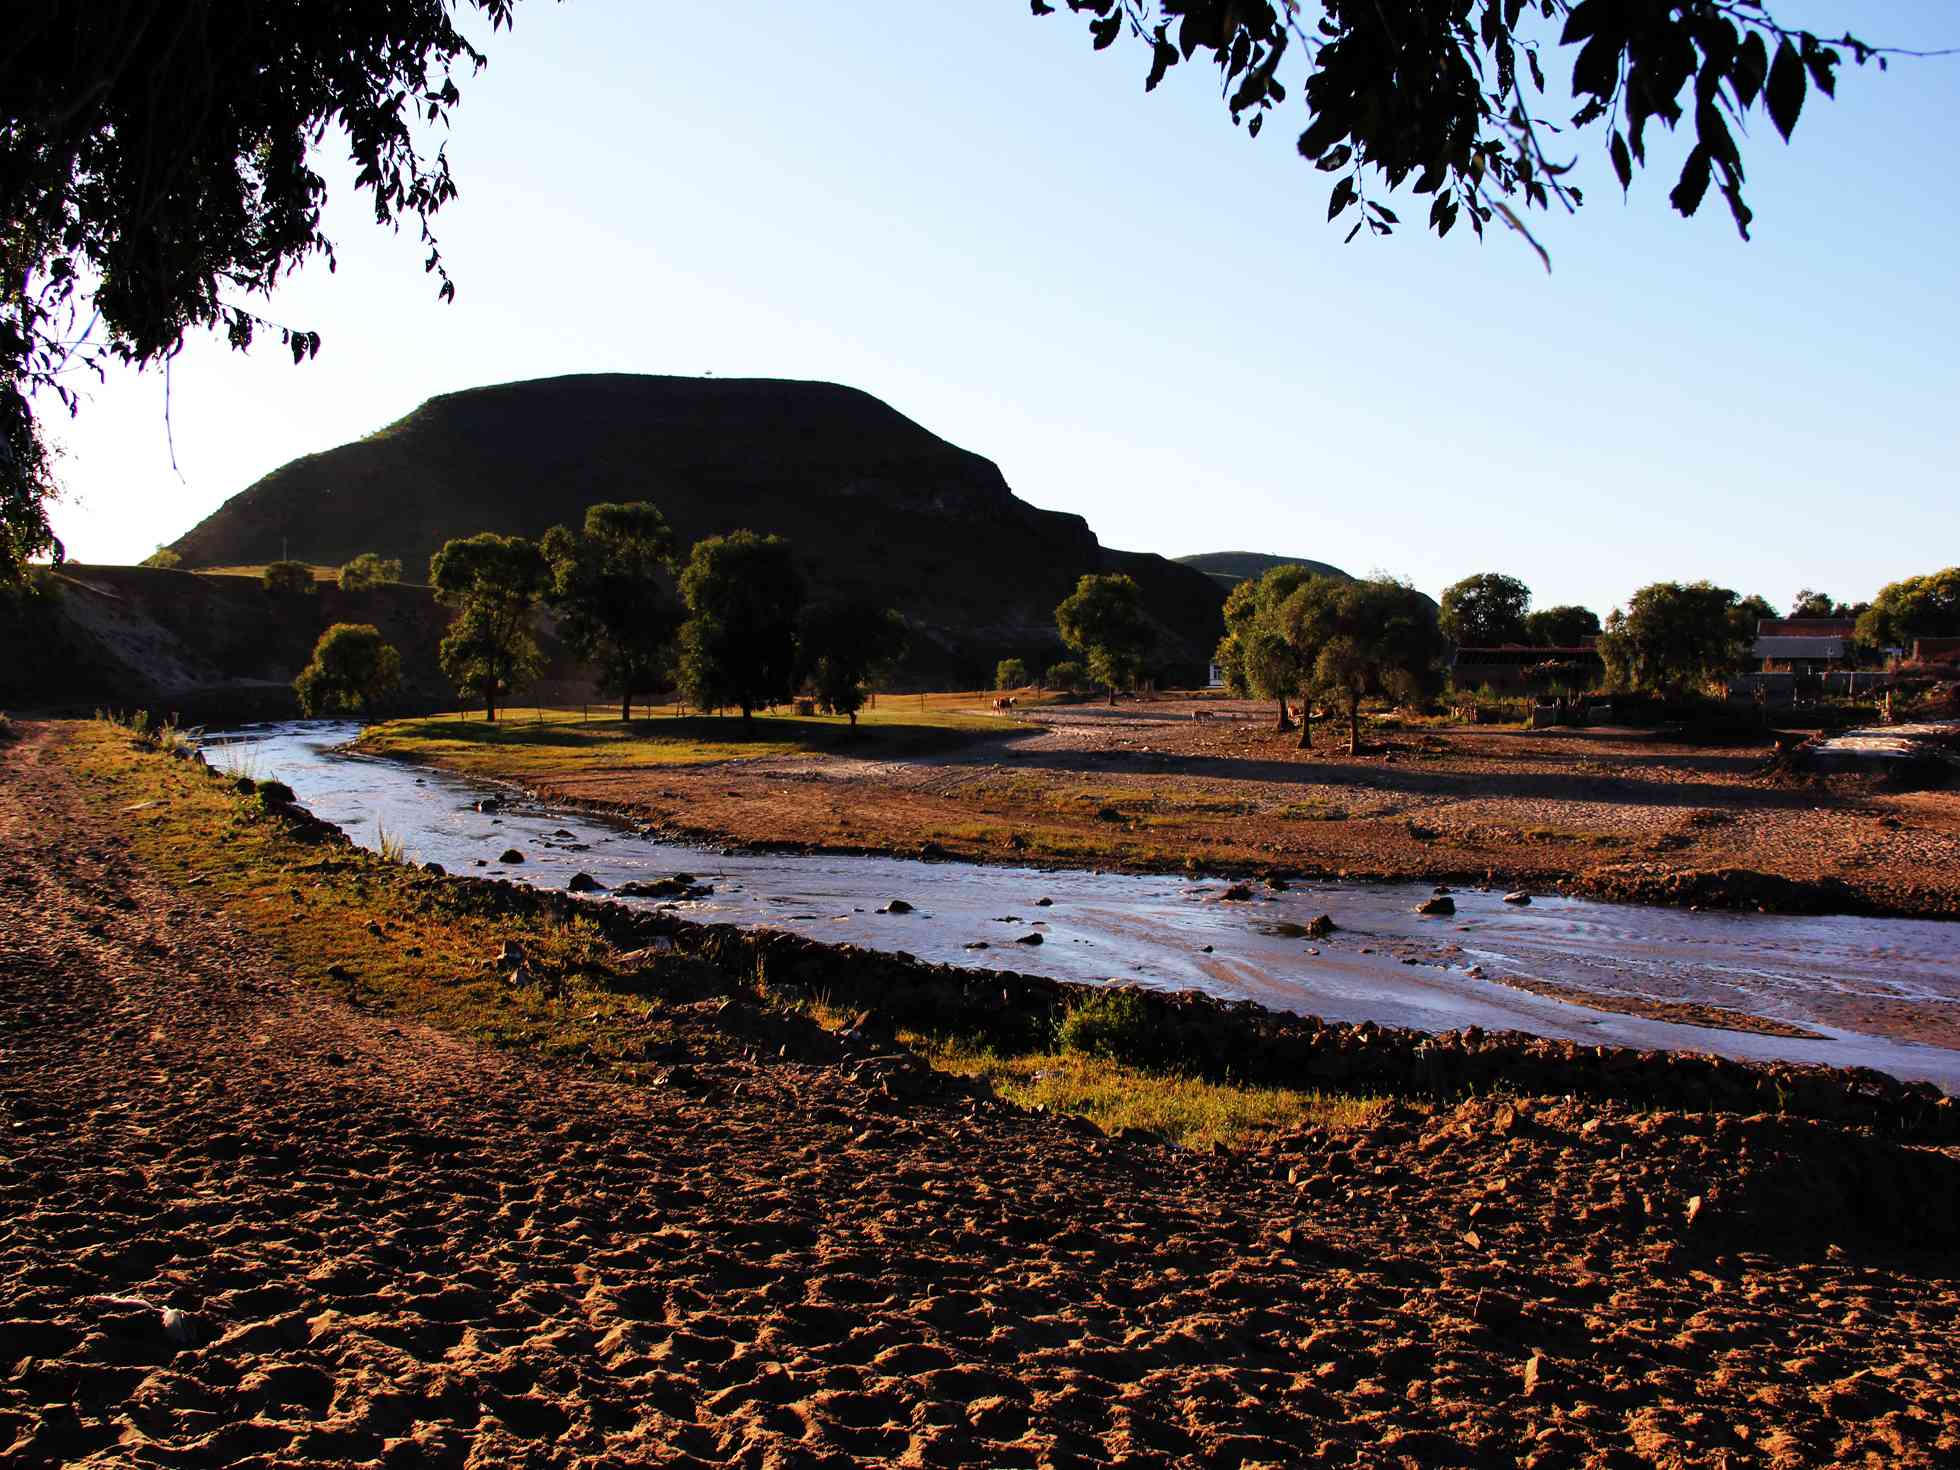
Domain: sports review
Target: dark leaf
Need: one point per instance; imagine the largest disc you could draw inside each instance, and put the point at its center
(1105, 30)
(1041, 7)
(1385, 214)
(1694, 181)
(1341, 198)
(1537, 76)
(1751, 68)
(1822, 62)
(1335, 158)
(1351, 234)
(1252, 128)
(1784, 95)
(1622, 163)
(1162, 59)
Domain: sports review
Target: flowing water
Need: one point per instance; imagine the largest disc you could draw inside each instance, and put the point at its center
(1385, 964)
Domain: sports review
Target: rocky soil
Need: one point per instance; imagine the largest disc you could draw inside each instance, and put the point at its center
(243, 1222)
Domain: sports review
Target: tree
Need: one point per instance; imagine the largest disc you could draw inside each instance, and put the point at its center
(155, 178)
(738, 645)
(163, 559)
(1453, 95)
(369, 570)
(1254, 655)
(609, 588)
(1011, 673)
(1749, 614)
(1565, 626)
(1103, 621)
(1672, 637)
(494, 583)
(1356, 640)
(1067, 676)
(287, 578)
(352, 672)
(1485, 610)
(1916, 607)
(845, 646)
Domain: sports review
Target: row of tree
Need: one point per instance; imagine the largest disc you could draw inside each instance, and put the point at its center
(1296, 632)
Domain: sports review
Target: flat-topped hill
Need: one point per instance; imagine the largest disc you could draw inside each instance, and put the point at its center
(875, 503)
(1229, 568)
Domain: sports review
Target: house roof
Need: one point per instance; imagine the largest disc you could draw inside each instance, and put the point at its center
(1799, 648)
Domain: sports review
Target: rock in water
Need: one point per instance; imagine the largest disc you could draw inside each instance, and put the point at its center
(584, 883)
(511, 855)
(896, 906)
(1437, 907)
(1519, 897)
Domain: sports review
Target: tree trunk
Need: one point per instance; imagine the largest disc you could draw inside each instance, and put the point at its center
(490, 703)
(1354, 724)
(854, 719)
(747, 711)
(1284, 722)
(625, 709)
(1306, 721)
(1112, 696)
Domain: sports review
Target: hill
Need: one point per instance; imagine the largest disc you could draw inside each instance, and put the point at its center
(1229, 568)
(876, 504)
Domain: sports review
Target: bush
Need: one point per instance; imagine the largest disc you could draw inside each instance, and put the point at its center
(1068, 676)
(274, 793)
(163, 559)
(1011, 673)
(369, 570)
(352, 672)
(1116, 1024)
(288, 577)
(7, 731)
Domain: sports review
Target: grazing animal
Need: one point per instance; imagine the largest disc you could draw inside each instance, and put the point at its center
(1004, 703)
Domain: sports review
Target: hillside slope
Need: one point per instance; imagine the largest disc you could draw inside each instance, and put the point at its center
(876, 504)
(1229, 568)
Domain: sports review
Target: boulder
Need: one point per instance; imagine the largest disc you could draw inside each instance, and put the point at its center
(511, 855)
(896, 906)
(1517, 898)
(584, 883)
(1320, 926)
(1437, 907)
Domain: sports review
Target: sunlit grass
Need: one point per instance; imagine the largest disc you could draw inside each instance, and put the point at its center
(558, 741)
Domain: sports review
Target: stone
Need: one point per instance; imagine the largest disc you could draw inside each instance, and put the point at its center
(1029, 938)
(1437, 907)
(511, 855)
(896, 906)
(1320, 926)
(584, 883)
(435, 870)
(1519, 897)
(1044, 903)
(1237, 893)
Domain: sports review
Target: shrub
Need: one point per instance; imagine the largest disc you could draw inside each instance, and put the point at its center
(1067, 676)
(352, 671)
(274, 793)
(163, 559)
(369, 570)
(7, 731)
(288, 577)
(1116, 1024)
(1011, 673)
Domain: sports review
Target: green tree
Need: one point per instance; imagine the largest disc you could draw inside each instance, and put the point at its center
(1916, 607)
(287, 578)
(1356, 640)
(1103, 620)
(352, 672)
(738, 645)
(1485, 610)
(163, 559)
(369, 570)
(1254, 656)
(1453, 96)
(1673, 637)
(846, 646)
(1065, 675)
(494, 583)
(609, 588)
(1565, 626)
(1011, 673)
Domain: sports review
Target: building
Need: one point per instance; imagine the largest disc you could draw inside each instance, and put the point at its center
(1803, 645)
(1527, 666)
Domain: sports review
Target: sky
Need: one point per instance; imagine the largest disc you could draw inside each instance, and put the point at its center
(1139, 313)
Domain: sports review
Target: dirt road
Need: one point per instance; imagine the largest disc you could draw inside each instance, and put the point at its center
(245, 1223)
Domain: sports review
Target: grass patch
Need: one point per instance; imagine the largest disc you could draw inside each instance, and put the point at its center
(564, 742)
(1112, 1095)
(1312, 811)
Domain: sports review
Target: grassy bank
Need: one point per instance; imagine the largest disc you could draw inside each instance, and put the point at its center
(528, 743)
(395, 939)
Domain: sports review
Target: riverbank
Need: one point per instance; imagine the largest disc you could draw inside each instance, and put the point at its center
(1207, 785)
(555, 1248)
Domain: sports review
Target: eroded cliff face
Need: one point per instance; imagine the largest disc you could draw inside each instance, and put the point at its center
(876, 504)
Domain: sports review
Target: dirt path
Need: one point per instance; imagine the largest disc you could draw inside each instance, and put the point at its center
(389, 1247)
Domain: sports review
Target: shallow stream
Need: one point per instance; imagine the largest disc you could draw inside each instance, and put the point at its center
(1385, 963)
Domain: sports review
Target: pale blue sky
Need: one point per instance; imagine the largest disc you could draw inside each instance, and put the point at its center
(1140, 314)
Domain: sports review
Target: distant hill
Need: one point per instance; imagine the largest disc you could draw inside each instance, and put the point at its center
(875, 504)
(1229, 568)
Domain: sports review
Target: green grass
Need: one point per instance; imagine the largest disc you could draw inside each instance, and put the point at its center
(526, 742)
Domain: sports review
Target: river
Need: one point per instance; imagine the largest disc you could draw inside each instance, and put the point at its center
(1837, 975)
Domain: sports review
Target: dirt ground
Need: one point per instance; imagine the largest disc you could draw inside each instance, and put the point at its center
(243, 1222)
(1152, 786)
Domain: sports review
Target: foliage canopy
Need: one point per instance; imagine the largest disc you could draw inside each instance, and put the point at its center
(353, 671)
(494, 583)
(1485, 610)
(1359, 639)
(738, 646)
(1565, 626)
(369, 569)
(845, 646)
(1254, 655)
(1915, 607)
(1673, 637)
(1103, 620)
(609, 586)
